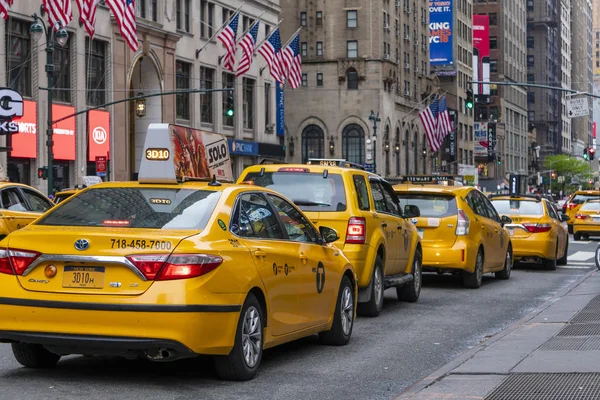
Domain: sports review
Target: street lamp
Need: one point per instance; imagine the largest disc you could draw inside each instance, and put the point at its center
(375, 119)
(37, 29)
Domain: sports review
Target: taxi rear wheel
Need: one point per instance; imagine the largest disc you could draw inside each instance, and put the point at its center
(508, 263)
(243, 361)
(563, 259)
(343, 319)
(373, 307)
(472, 280)
(34, 355)
(550, 263)
(577, 236)
(412, 291)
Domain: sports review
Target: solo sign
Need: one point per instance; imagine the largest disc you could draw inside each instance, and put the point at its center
(11, 106)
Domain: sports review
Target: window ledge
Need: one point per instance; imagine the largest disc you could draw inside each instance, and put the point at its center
(185, 33)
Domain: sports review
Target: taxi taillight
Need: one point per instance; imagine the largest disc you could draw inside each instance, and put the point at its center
(537, 228)
(463, 224)
(162, 267)
(580, 216)
(572, 205)
(15, 261)
(356, 232)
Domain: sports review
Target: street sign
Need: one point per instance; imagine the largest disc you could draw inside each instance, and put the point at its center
(577, 107)
(101, 165)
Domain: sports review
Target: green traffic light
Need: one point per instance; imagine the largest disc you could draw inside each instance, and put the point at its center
(469, 105)
(230, 113)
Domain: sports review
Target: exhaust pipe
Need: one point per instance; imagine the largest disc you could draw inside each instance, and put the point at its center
(160, 354)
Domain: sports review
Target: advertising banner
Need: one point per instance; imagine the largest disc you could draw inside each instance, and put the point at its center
(280, 111)
(481, 56)
(491, 154)
(200, 154)
(481, 139)
(440, 33)
(24, 143)
(452, 135)
(64, 133)
(98, 134)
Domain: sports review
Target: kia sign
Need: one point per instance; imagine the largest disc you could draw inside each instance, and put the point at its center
(98, 134)
(11, 106)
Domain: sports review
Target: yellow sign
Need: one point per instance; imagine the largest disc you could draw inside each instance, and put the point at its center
(160, 201)
(469, 178)
(157, 154)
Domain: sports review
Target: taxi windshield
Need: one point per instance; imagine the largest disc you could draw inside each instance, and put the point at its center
(310, 191)
(591, 206)
(152, 208)
(430, 205)
(518, 207)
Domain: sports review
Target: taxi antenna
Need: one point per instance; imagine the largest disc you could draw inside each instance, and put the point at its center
(214, 181)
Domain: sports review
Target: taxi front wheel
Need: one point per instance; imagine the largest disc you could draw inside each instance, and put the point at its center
(34, 355)
(243, 361)
(343, 319)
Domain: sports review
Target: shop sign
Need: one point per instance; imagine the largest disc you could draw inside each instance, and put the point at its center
(63, 133)
(98, 134)
(243, 148)
(24, 143)
(101, 165)
(11, 106)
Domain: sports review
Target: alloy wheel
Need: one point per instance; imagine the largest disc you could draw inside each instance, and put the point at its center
(347, 308)
(378, 287)
(252, 337)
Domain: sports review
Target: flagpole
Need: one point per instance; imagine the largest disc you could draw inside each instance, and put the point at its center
(250, 28)
(268, 37)
(436, 91)
(291, 38)
(236, 12)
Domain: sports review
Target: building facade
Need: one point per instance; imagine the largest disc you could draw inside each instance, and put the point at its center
(582, 62)
(91, 73)
(360, 56)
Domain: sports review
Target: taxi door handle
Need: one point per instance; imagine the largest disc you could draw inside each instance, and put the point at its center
(384, 224)
(483, 227)
(399, 227)
(304, 258)
(260, 253)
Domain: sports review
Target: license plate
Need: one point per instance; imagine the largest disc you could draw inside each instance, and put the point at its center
(420, 232)
(596, 219)
(83, 277)
(511, 231)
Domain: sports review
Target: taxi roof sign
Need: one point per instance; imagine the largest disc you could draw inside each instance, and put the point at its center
(334, 162)
(174, 153)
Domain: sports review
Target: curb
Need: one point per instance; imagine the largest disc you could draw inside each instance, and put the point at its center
(438, 375)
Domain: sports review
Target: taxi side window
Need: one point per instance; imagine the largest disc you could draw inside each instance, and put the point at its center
(378, 197)
(297, 227)
(551, 211)
(12, 200)
(254, 218)
(493, 214)
(474, 201)
(37, 202)
(391, 199)
(363, 193)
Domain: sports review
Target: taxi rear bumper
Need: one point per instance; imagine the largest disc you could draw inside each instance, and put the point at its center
(586, 228)
(460, 256)
(533, 247)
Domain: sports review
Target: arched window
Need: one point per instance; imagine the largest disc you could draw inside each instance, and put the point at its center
(313, 140)
(353, 144)
(397, 143)
(352, 79)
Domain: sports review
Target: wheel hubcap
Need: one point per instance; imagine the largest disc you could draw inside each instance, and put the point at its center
(347, 307)
(479, 271)
(508, 261)
(251, 337)
(378, 287)
(417, 275)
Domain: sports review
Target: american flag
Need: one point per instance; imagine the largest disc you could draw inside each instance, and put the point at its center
(429, 119)
(58, 11)
(271, 52)
(247, 44)
(293, 62)
(228, 38)
(4, 4)
(444, 126)
(124, 12)
(87, 15)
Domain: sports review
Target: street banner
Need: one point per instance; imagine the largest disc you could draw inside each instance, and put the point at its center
(440, 33)
(481, 139)
(24, 143)
(452, 135)
(98, 134)
(491, 153)
(481, 57)
(63, 133)
(280, 110)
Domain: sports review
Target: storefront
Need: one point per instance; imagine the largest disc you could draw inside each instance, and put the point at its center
(98, 129)
(272, 152)
(21, 160)
(243, 154)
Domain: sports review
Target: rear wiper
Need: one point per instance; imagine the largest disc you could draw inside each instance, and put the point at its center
(309, 203)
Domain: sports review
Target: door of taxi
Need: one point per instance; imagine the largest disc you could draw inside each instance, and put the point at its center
(402, 229)
(389, 225)
(15, 210)
(484, 227)
(314, 274)
(557, 227)
(258, 228)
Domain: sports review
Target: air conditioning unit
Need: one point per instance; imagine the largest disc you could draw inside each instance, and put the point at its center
(407, 92)
(386, 27)
(423, 20)
(409, 10)
(398, 3)
(416, 69)
(397, 32)
(417, 42)
(407, 66)
(424, 47)
(386, 56)
(407, 37)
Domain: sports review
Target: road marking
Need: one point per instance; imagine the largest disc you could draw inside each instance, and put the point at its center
(575, 267)
(578, 242)
(582, 256)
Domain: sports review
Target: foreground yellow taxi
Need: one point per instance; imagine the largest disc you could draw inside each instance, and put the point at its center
(537, 231)
(587, 220)
(460, 231)
(172, 270)
(19, 206)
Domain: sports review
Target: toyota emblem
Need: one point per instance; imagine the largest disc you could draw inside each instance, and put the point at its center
(99, 135)
(82, 244)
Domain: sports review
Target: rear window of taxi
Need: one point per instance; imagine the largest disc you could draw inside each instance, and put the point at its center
(310, 191)
(591, 206)
(153, 208)
(430, 205)
(518, 207)
(582, 198)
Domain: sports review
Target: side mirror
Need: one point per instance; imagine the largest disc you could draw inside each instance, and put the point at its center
(329, 235)
(411, 211)
(505, 220)
(564, 218)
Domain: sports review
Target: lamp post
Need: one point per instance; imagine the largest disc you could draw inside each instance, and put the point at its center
(375, 119)
(37, 29)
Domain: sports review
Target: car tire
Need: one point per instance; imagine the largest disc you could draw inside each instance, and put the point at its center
(343, 319)
(242, 362)
(508, 263)
(550, 263)
(472, 280)
(34, 355)
(570, 229)
(577, 236)
(563, 259)
(412, 291)
(373, 307)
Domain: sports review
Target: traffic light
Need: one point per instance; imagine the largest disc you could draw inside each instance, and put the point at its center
(585, 154)
(591, 153)
(554, 175)
(43, 173)
(499, 160)
(229, 107)
(469, 100)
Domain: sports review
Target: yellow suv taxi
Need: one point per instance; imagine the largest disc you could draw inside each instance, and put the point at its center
(375, 234)
(460, 231)
(537, 231)
(587, 220)
(572, 205)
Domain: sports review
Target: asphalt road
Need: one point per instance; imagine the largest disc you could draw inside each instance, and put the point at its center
(386, 355)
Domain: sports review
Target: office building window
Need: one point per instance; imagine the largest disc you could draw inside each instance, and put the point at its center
(248, 103)
(207, 14)
(228, 82)
(183, 15)
(352, 79)
(352, 49)
(95, 73)
(530, 42)
(207, 81)
(493, 42)
(493, 66)
(154, 9)
(267, 103)
(304, 80)
(319, 79)
(18, 57)
(352, 18)
(303, 49)
(319, 18)
(493, 19)
(302, 19)
(319, 48)
(182, 81)
(62, 72)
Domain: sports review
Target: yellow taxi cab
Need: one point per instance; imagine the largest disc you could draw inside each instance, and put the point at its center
(19, 206)
(169, 268)
(575, 201)
(375, 233)
(587, 220)
(66, 193)
(460, 231)
(537, 231)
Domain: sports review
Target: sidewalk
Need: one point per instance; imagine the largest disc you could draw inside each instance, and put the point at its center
(551, 354)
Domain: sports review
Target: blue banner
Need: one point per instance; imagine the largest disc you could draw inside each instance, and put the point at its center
(280, 111)
(440, 33)
(242, 147)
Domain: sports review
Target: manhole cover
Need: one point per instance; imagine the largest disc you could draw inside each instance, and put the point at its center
(572, 343)
(548, 387)
(580, 330)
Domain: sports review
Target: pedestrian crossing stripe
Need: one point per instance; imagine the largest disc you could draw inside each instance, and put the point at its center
(582, 256)
(576, 267)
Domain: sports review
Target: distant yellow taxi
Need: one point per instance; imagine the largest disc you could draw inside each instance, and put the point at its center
(460, 231)
(172, 270)
(20, 205)
(575, 201)
(537, 230)
(587, 220)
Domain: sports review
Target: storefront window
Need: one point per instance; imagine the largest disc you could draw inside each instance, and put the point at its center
(19, 170)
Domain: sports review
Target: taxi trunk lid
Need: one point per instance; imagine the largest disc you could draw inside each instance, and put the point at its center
(101, 261)
(523, 226)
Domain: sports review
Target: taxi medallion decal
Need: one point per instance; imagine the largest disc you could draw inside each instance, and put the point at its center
(82, 244)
